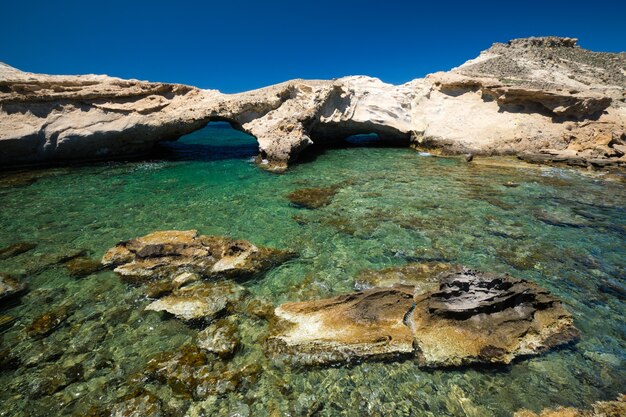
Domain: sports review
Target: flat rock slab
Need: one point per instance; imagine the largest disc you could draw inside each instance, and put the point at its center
(469, 318)
(423, 276)
(202, 300)
(364, 324)
(167, 254)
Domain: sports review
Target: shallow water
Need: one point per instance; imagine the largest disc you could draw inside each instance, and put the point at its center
(563, 229)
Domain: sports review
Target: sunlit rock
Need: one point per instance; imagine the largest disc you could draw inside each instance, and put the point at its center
(468, 318)
(170, 254)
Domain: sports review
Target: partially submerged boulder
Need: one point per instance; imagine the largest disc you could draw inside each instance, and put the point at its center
(364, 324)
(167, 254)
(469, 318)
(202, 300)
(485, 318)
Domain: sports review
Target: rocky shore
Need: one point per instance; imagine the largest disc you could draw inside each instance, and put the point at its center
(544, 99)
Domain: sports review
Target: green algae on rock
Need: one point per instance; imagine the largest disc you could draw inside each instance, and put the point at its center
(312, 198)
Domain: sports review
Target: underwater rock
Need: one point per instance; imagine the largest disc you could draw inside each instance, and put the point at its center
(190, 373)
(81, 266)
(423, 276)
(364, 324)
(6, 322)
(203, 300)
(616, 408)
(16, 249)
(220, 338)
(167, 254)
(477, 317)
(46, 323)
(468, 318)
(10, 287)
(312, 198)
(145, 404)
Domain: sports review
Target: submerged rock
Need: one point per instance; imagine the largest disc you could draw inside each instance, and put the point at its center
(220, 338)
(168, 254)
(364, 324)
(616, 408)
(46, 323)
(312, 198)
(469, 318)
(191, 373)
(10, 287)
(16, 249)
(145, 404)
(203, 300)
(423, 276)
(82, 266)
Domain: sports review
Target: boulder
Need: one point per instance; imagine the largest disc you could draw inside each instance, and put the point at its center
(365, 324)
(468, 318)
(166, 255)
(202, 300)
(484, 318)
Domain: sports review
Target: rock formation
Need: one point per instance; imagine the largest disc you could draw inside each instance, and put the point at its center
(544, 99)
(616, 408)
(180, 257)
(470, 318)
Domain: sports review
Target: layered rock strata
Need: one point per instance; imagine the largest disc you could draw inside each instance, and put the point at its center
(471, 318)
(544, 99)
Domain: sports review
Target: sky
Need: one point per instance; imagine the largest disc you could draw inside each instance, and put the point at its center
(236, 45)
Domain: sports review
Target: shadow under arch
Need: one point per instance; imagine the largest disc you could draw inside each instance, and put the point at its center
(219, 140)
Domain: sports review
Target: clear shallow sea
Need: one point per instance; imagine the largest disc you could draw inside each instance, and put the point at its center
(563, 229)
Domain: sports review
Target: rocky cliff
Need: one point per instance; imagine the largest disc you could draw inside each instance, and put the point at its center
(544, 99)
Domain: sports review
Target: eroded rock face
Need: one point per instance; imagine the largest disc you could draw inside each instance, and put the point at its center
(485, 318)
(521, 97)
(178, 257)
(469, 318)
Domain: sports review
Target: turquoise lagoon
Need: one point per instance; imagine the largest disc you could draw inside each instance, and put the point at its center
(564, 229)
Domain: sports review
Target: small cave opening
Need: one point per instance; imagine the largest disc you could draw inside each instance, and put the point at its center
(327, 137)
(218, 140)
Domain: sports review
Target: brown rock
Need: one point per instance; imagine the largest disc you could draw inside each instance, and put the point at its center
(10, 287)
(82, 267)
(486, 318)
(16, 249)
(202, 300)
(312, 198)
(423, 276)
(170, 254)
(220, 338)
(364, 324)
(46, 323)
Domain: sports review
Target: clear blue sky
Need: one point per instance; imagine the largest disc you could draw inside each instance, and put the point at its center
(238, 45)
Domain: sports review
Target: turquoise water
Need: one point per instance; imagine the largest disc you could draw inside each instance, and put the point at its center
(563, 229)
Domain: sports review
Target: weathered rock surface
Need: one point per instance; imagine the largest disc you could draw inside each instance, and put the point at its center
(202, 300)
(10, 287)
(616, 408)
(364, 324)
(179, 257)
(520, 97)
(471, 318)
(485, 318)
